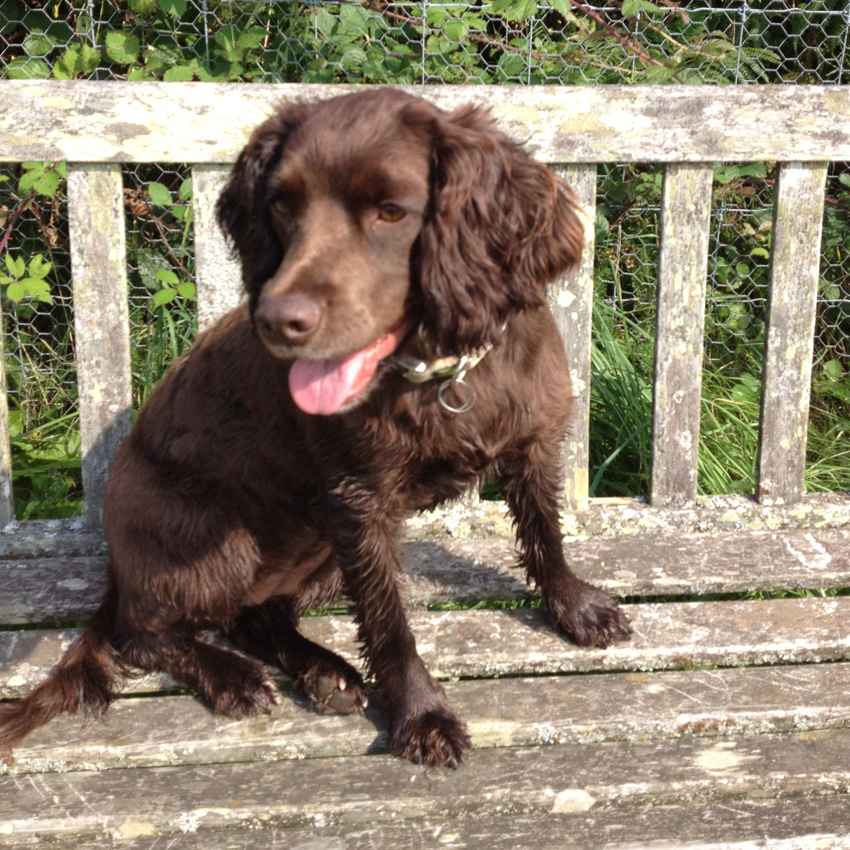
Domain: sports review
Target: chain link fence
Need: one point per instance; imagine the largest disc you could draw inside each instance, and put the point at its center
(503, 42)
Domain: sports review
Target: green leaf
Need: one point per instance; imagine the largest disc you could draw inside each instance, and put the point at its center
(143, 7)
(844, 179)
(90, 58)
(167, 277)
(456, 30)
(122, 47)
(164, 296)
(159, 194)
(16, 423)
(187, 290)
(179, 74)
(184, 193)
(746, 390)
(834, 370)
(562, 7)
(353, 59)
(148, 261)
(15, 292)
(40, 177)
(326, 23)
(37, 44)
(137, 74)
(436, 16)
(27, 68)
(184, 214)
(633, 7)
(161, 57)
(353, 17)
(512, 64)
(830, 291)
(176, 8)
(16, 267)
(251, 38)
(38, 268)
(37, 289)
(516, 10)
(68, 65)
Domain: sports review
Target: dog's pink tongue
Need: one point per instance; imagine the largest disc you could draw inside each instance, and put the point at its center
(321, 387)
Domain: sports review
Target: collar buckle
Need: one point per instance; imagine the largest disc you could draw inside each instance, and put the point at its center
(452, 369)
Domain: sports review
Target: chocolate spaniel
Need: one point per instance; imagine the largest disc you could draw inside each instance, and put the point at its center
(395, 349)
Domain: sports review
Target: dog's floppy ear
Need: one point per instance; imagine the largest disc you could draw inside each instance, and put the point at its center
(501, 226)
(243, 207)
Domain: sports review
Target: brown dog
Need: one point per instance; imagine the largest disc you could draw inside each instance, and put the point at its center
(395, 350)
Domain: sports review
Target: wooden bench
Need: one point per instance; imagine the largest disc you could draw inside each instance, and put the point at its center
(724, 722)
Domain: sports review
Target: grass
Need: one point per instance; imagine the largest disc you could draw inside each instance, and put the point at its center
(621, 419)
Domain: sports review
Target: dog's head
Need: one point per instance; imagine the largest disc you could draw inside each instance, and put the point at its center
(362, 217)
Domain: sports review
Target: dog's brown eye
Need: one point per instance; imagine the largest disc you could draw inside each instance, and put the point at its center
(390, 212)
(280, 205)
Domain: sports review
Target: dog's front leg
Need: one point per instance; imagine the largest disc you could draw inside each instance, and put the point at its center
(364, 531)
(531, 481)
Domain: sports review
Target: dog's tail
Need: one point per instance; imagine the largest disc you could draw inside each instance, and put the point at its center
(84, 679)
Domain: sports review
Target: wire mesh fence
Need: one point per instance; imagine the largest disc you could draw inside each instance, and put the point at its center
(502, 42)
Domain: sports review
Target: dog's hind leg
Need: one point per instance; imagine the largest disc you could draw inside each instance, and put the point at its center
(228, 682)
(269, 631)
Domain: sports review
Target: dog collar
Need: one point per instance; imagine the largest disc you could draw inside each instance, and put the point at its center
(452, 369)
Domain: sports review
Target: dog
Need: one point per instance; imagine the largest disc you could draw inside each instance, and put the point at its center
(395, 349)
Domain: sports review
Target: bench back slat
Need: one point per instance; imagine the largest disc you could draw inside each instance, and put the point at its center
(218, 277)
(682, 270)
(101, 321)
(571, 299)
(792, 303)
(7, 512)
(93, 121)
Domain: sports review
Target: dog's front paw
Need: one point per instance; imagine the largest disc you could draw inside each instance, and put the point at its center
(334, 692)
(437, 738)
(589, 617)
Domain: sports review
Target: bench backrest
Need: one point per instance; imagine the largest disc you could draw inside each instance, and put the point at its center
(95, 127)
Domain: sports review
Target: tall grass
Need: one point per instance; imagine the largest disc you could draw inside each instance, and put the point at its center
(47, 477)
(621, 411)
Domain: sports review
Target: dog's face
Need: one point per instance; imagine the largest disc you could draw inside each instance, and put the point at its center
(347, 206)
(361, 217)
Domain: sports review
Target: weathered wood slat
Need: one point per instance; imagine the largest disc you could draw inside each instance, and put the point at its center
(789, 332)
(60, 590)
(631, 518)
(7, 511)
(91, 121)
(487, 643)
(571, 300)
(218, 276)
(568, 779)
(178, 730)
(101, 322)
(786, 824)
(682, 270)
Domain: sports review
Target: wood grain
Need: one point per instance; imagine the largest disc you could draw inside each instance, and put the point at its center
(90, 121)
(101, 322)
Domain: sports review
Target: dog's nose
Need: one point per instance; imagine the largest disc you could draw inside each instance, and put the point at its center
(288, 319)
